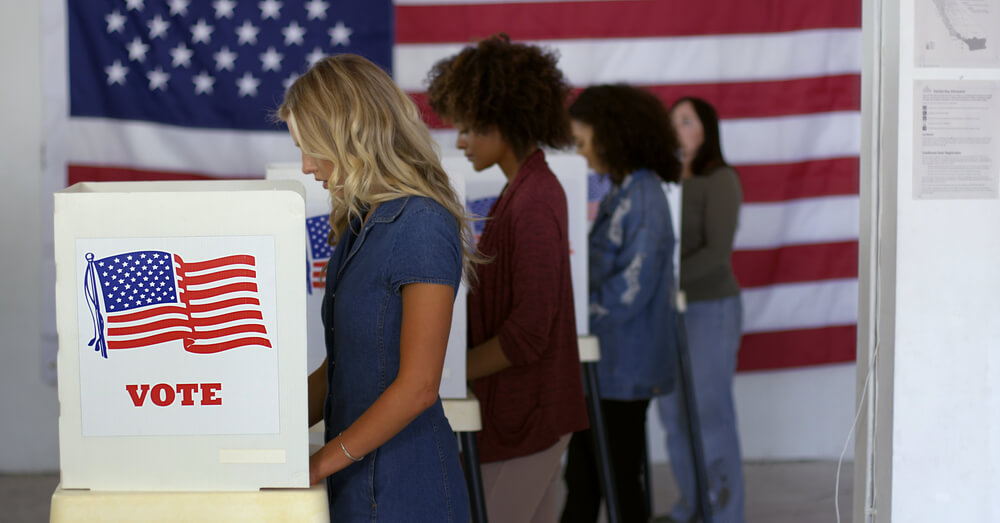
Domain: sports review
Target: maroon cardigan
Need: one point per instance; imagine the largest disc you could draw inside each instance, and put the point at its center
(525, 297)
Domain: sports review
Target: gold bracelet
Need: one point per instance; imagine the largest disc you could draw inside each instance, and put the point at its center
(343, 448)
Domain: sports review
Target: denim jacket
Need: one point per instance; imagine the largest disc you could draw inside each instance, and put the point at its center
(631, 289)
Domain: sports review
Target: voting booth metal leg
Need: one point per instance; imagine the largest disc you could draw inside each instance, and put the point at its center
(473, 477)
(647, 482)
(690, 411)
(600, 437)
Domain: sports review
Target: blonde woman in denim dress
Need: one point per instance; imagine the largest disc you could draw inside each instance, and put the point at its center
(401, 246)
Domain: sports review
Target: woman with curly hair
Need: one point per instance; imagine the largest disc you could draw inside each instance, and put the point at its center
(507, 100)
(402, 242)
(624, 133)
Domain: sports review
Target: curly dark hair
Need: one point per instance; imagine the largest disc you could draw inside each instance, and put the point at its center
(515, 87)
(632, 130)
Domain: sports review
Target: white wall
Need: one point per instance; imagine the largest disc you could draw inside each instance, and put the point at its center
(28, 405)
(945, 418)
(791, 414)
(796, 414)
(929, 451)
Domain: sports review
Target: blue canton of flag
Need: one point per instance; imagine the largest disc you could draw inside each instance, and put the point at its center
(220, 64)
(320, 250)
(597, 186)
(137, 279)
(481, 209)
(318, 228)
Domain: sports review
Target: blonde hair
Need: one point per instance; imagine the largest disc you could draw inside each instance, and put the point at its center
(346, 110)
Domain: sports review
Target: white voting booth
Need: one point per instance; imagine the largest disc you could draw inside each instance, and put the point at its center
(479, 190)
(316, 230)
(483, 188)
(182, 363)
(164, 410)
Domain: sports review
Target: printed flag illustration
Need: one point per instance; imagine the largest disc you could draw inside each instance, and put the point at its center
(480, 207)
(597, 187)
(320, 250)
(144, 298)
(177, 89)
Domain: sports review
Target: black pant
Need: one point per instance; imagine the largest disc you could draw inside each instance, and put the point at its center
(625, 424)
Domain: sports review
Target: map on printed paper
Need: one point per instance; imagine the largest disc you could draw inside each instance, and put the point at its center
(957, 33)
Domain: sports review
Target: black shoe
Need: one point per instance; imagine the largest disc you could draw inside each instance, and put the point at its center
(668, 519)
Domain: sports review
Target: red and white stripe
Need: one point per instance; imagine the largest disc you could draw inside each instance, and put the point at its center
(222, 301)
(150, 326)
(319, 274)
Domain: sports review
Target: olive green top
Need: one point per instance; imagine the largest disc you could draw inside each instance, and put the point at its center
(710, 210)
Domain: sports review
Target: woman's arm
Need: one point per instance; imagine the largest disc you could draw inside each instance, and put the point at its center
(422, 342)
(317, 394)
(485, 359)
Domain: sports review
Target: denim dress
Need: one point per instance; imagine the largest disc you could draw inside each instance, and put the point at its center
(416, 475)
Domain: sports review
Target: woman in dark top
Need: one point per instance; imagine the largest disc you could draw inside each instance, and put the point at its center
(625, 134)
(714, 317)
(507, 100)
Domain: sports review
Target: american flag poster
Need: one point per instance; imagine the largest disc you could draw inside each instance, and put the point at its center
(177, 89)
(178, 336)
(318, 229)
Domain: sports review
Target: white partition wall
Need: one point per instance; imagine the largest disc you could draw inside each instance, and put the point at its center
(318, 251)
(482, 189)
(929, 312)
(182, 358)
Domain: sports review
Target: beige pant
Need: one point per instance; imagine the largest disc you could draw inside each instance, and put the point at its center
(523, 490)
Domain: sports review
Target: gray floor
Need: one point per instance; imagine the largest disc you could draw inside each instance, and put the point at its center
(777, 492)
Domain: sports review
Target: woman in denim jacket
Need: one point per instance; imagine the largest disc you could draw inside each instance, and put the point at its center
(624, 133)
(402, 243)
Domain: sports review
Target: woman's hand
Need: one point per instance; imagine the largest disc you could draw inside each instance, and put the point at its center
(315, 476)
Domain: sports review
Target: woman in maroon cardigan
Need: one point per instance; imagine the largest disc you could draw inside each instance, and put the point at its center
(507, 100)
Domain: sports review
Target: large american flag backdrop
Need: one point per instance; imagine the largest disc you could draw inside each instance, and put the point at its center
(178, 89)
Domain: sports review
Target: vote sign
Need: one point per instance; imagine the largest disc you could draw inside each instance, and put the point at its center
(177, 336)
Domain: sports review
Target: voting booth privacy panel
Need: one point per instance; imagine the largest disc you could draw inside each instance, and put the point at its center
(483, 188)
(316, 230)
(479, 190)
(181, 319)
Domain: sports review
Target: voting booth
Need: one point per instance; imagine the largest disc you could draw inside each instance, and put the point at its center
(479, 190)
(316, 229)
(181, 318)
(483, 188)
